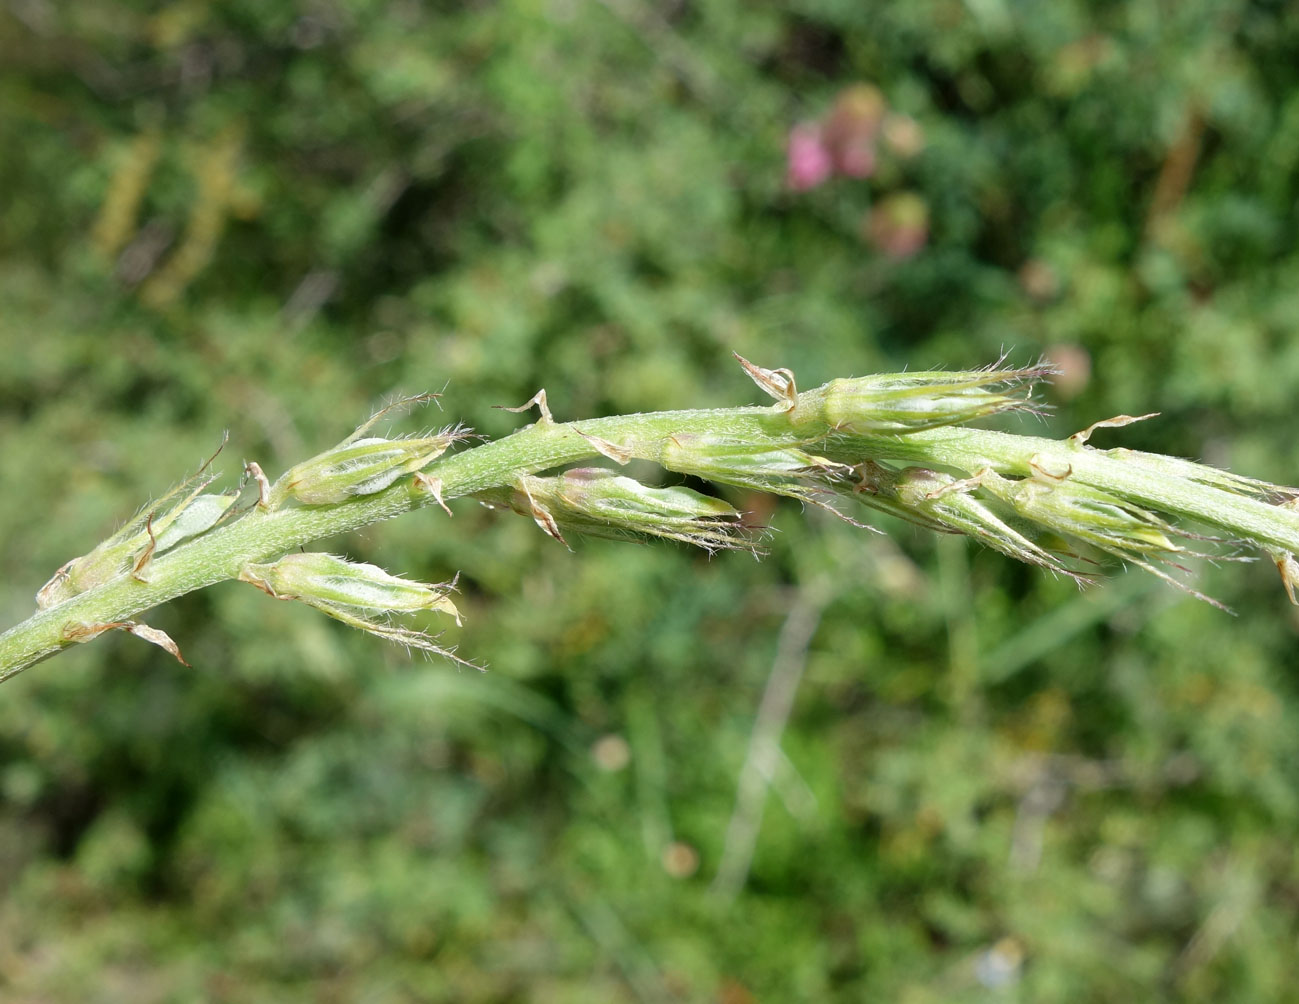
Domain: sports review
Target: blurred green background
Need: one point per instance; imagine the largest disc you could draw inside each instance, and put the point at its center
(265, 215)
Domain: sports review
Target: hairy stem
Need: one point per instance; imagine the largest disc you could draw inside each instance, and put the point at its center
(259, 536)
(895, 442)
(970, 450)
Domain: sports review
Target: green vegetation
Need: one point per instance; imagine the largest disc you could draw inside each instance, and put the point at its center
(892, 766)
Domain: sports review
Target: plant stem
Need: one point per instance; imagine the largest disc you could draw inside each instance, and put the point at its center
(768, 449)
(260, 536)
(971, 450)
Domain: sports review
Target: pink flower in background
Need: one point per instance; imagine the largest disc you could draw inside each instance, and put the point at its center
(846, 140)
(807, 161)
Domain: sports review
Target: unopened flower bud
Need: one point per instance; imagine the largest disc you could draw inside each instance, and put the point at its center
(940, 502)
(1097, 518)
(601, 503)
(759, 466)
(199, 516)
(1087, 514)
(327, 582)
(148, 534)
(360, 595)
(360, 467)
(908, 402)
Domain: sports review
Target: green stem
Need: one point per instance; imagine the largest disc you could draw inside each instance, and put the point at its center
(751, 446)
(261, 536)
(972, 450)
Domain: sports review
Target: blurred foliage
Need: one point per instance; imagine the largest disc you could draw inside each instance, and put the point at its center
(267, 215)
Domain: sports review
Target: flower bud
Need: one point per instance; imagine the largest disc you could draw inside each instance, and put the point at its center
(601, 503)
(326, 582)
(1086, 513)
(940, 502)
(360, 467)
(136, 543)
(1096, 518)
(360, 595)
(198, 516)
(759, 466)
(909, 402)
